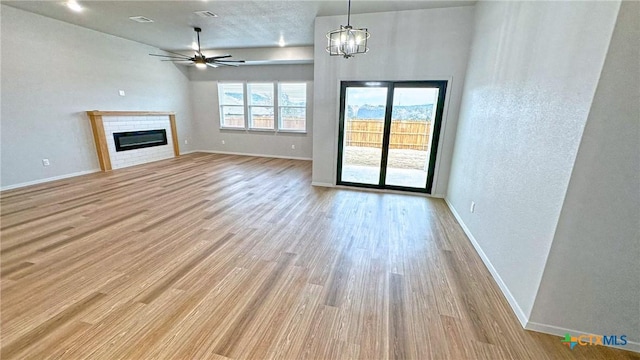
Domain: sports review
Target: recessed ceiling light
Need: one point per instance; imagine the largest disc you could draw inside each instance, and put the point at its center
(205, 14)
(281, 42)
(73, 5)
(141, 19)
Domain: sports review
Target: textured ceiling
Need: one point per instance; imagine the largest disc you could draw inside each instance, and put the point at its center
(240, 24)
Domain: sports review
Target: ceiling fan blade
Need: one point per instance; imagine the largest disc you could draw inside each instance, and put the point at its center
(174, 53)
(213, 60)
(219, 57)
(224, 64)
(170, 56)
(179, 61)
(212, 65)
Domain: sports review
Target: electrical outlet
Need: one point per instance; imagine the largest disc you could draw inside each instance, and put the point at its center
(121, 92)
(473, 206)
(45, 162)
(222, 142)
(293, 147)
(186, 141)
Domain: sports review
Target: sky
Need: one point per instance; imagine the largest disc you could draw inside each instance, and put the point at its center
(378, 96)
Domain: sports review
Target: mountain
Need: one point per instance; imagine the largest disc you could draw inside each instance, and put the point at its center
(411, 112)
(236, 98)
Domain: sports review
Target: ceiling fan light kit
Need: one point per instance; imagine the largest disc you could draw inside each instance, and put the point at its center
(347, 41)
(201, 61)
(73, 5)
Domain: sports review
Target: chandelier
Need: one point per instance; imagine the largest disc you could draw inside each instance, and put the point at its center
(347, 41)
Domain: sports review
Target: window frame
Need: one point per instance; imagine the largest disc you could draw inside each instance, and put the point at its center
(243, 106)
(306, 103)
(276, 107)
(274, 104)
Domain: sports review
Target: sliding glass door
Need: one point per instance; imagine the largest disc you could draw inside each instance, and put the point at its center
(389, 134)
(362, 154)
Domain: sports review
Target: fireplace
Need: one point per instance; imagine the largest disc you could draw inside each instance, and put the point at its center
(139, 139)
(121, 129)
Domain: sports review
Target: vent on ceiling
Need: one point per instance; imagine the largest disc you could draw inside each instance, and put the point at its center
(205, 14)
(140, 19)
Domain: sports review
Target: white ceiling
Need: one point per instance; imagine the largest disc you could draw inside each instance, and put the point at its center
(240, 24)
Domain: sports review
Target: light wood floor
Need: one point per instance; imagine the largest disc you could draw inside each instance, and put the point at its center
(216, 257)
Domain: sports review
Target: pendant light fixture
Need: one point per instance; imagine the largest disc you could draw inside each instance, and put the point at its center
(347, 41)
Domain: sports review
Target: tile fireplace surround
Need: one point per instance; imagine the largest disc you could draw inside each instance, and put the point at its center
(105, 123)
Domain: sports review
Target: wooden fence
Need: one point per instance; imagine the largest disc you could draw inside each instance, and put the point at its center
(405, 134)
(288, 123)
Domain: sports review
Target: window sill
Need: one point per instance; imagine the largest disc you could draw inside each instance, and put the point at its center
(301, 132)
(232, 128)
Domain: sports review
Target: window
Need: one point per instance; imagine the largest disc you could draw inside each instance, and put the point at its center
(292, 104)
(263, 106)
(231, 98)
(260, 101)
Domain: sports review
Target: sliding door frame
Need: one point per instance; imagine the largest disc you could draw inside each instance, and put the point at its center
(386, 136)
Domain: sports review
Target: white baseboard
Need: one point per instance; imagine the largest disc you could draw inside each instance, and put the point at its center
(322, 184)
(250, 154)
(49, 179)
(559, 331)
(522, 317)
(524, 320)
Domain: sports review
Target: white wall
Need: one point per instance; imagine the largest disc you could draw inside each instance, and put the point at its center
(206, 115)
(52, 72)
(591, 281)
(532, 75)
(405, 45)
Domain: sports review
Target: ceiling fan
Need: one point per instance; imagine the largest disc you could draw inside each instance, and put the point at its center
(199, 59)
